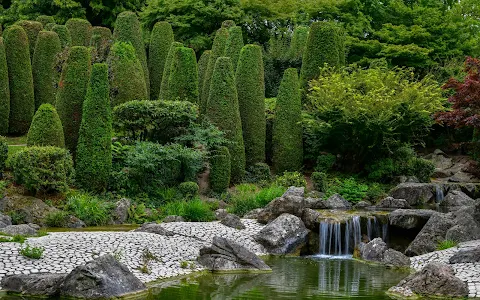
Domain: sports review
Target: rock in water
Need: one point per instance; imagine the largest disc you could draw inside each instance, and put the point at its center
(232, 221)
(33, 284)
(466, 256)
(226, 255)
(373, 250)
(291, 202)
(103, 277)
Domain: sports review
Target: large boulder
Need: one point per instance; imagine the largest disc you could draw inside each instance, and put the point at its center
(395, 258)
(373, 250)
(311, 219)
(153, 227)
(232, 221)
(456, 198)
(253, 214)
(392, 203)
(221, 213)
(284, 235)
(435, 279)
(22, 229)
(5, 221)
(33, 284)
(291, 202)
(362, 205)
(120, 213)
(32, 210)
(466, 256)
(414, 193)
(465, 228)
(410, 218)
(102, 278)
(337, 202)
(315, 203)
(227, 255)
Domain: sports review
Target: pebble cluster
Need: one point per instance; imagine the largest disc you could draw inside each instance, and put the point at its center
(468, 272)
(170, 255)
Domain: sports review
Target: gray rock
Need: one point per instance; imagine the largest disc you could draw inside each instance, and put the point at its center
(466, 256)
(253, 214)
(172, 219)
(32, 209)
(291, 202)
(120, 213)
(295, 192)
(337, 202)
(435, 279)
(232, 221)
(284, 235)
(227, 255)
(5, 221)
(410, 218)
(314, 203)
(395, 258)
(153, 227)
(33, 284)
(74, 222)
(315, 194)
(457, 198)
(311, 219)
(103, 277)
(362, 205)
(373, 250)
(221, 213)
(414, 193)
(465, 228)
(391, 202)
(406, 179)
(23, 229)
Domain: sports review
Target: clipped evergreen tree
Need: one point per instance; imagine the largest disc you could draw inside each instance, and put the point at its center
(127, 82)
(45, 77)
(166, 71)
(228, 23)
(220, 170)
(101, 40)
(4, 91)
(161, 39)
(71, 92)
(45, 19)
(128, 29)
(234, 45)
(251, 98)
(183, 79)
(63, 34)
(94, 153)
(20, 80)
(323, 46)
(46, 128)
(32, 28)
(202, 67)
(49, 26)
(218, 50)
(287, 129)
(223, 112)
(298, 42)
(80, 31)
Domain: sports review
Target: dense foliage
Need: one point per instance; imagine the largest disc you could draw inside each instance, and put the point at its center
(167, 70)
(220, 170)
(234, 45)
(101, 41)
(46, 128)
(161, 39)
(80, 31)
(63, 34)
(4, 91)
(183, 78)
(32, 28)
(202, 68)
(3, 153)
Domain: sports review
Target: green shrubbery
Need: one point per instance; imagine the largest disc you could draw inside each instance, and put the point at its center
(349, 188)
(4, 91)
(161, 39)
(183, 78)
(32, 28)
(319, 180)
(325, 162)
(101, 41)
(258, 173)
(63, 34)
(246, 197)
(220, 170)
(288, 179)
(46, 128)
(202, 69)
(90, 209)
(188, 189)
(3, 154)
(234, 45)
(167, 70)
(57, 218)
(192, 211)
(45, 19)
(80, 31)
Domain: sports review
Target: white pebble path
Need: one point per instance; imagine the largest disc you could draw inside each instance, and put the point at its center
(66, 250)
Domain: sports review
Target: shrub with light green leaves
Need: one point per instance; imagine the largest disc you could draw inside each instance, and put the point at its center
(202, 68)
(88, 208)
(45, 19)
(161, 39)
(46, 128)
(319, 180)
(288, 179)
(188, 189)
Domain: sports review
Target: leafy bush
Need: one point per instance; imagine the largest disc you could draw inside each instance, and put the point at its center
(188, 189)
(246, 197)
(43, 169)
(46, 128)
(45, 19)
(80, 31)
(32, 252)
(258, 173)
(289, 179)
(423, 169)
(4, 91)
(183, 77)
(203, 135)
(319, 180)
(3, 187)
(160, 42)
(167, 70)
(101, 42)
(234, 45)
(348, 188)
(446, 244)
(325, 162)
(192, 211)
(63, 34)
(3, 153)
(90, 209)
(57, 219)
(220, 170)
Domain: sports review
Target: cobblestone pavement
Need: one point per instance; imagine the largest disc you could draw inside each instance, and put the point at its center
(468, 272)
(176, 254)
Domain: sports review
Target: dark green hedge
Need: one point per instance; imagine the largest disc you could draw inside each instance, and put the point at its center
(287, 127)
(202, 68)
(183, 79)
(45, 19)
(128, 29)
(46, 128)
(72, 89)
(94, 150)
(219, 176)
(4, 91)
(32, 28)
(166, 71)
(22, 101)
(223, 111)
(127, 82)
(63, 34)
(160, 41)
(49, 26)
(80, 31)
(251, 98)
(3, 154)
(234, 45)
(298, 43)
(45, 77)
(101, 41)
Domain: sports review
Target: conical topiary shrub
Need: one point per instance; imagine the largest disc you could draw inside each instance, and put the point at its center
(166, 71)
(4, 92)
(20, 80)
(287, 129)
(223, 111)
(251, 98)
(101, 41)
(94, 153)
(63, 34)
(127, 82)
(46, 128)
(45, 19)
(202, 67)
(71, 92)
(160, 41)
(80, 31)
(298, 43)
(183, 80)
(234, 45)
(45, 77)
(32, 28)
(219, 176)
(128, 29)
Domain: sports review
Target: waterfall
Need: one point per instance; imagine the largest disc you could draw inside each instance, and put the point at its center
(439, 196)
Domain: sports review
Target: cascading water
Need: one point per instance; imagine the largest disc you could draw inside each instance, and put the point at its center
(439, 196)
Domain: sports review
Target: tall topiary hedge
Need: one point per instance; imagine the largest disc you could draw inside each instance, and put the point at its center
(4, 91)
(22, 101)
(101, 41)
(128, 29)
(202, 67)
(298, 43)
(63, 34)
(46, 128)
(220, 170)
(49, 26)
(223, 111)
(160, 41)
(3, 155)
(251, 98)
(32, 28)
(80, 31)
(94, 152)
(166, 71)
(218, 50)
(287, 129)
(234, 45)
(45, 19)
(127, 82)
(45, 77)
(71, 92)
(183, 79)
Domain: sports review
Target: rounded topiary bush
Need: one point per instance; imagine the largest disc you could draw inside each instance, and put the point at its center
(32, 28)
(251, 98)
(46, 128)
(219, 177)
(188, 189)
(94, 153)
(160, 41)
(223, 112)
(183, 78)
(45, 77)
(166, 71)
(127, 82)
(202, 67)
(287, 127)
(101, 40)
(128, 29)
(4, 91)
(49, 26)
(45, 19)
(22, 101)
(72, 89)
(63, 34)
(80, 31)
(234, 45)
